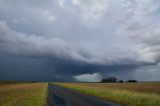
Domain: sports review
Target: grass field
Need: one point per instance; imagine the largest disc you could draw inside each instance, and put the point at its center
(8, 82)
(130, 94)
(23, 94)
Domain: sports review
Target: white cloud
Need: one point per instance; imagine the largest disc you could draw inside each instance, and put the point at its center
(95, 77)
(62, 3)
(76, 2)
(142, 27)
(92, 10)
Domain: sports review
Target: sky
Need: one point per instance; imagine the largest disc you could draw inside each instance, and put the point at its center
(79, 40)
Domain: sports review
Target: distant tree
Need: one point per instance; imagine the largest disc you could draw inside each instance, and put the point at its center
(120, 81)
(132, 81)
(109, 80)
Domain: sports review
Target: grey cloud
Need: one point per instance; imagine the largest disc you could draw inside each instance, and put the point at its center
(143, 29)
(32, 45)
(81, 34)
(37, 46)
(146, 73)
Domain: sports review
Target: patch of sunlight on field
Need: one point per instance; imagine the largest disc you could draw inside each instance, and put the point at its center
(130, 94)
(23, 94)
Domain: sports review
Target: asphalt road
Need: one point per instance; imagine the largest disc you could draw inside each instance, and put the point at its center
(60, 96)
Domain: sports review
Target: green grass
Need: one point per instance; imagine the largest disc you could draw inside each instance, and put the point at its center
(127, 94)
(23, 94)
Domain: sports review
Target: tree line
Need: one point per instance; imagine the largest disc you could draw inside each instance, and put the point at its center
(114, 79)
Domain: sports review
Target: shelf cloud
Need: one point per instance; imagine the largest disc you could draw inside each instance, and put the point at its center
(78, 38)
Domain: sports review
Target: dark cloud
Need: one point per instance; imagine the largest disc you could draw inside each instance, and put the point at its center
(63, 40)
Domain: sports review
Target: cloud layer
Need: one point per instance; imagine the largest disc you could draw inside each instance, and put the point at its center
(90, 33)
(35, 46)
(53, 47)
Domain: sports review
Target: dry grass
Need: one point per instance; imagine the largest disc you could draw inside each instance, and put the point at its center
(23, 94)
(8, 82)
(130, 94)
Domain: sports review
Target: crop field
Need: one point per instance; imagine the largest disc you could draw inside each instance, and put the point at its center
(130, 94)
(8, 82)
(23, 94)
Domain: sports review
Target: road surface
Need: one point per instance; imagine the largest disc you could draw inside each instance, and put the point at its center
(60, 96)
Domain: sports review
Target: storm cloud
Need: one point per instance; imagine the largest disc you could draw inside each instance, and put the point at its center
(76, 38)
